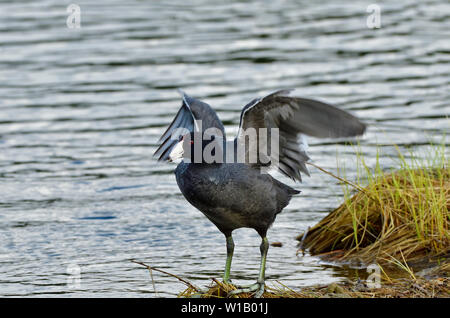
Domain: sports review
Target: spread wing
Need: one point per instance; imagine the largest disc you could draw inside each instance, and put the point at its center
(294, 117)
(193, 115)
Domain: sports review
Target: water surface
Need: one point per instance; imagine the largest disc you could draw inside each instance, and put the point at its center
(81, 111)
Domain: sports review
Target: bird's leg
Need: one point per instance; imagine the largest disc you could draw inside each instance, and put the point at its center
(226, 274)
(230, 250)
(258, 287)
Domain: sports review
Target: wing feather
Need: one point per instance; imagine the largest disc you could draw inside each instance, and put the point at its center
(294, 117)
(191, 112)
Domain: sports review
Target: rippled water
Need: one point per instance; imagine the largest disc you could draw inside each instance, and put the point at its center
(81, 111)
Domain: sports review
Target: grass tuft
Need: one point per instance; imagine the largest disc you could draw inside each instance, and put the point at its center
(400, 217)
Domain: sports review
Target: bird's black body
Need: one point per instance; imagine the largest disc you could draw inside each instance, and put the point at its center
(240, 194)
(233, 195)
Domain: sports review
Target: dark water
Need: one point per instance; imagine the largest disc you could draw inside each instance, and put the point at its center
(81, 111)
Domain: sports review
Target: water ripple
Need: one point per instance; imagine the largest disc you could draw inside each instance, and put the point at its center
(82, 110)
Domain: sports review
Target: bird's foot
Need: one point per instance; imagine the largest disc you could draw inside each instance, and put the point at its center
(257, 289)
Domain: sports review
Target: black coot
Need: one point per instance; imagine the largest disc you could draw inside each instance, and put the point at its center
(238, 193)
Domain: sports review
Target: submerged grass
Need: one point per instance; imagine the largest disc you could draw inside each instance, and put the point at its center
(400, 217)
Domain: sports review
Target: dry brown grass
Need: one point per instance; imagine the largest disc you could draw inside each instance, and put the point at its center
(394, 288)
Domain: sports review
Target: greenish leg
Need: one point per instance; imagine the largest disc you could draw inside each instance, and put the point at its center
(230, 250)
(262, 270)
(226, 274)
(258, 287)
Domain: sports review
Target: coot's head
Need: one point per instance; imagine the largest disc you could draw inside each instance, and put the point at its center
(197, 147)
